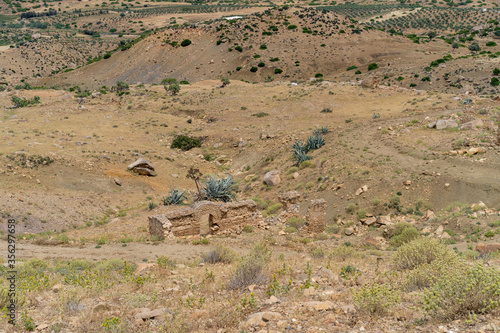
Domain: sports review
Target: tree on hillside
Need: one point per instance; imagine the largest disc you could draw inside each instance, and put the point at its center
(173, 88)
(225, 81)
(474, 47)
(455, 46)
(432, 34)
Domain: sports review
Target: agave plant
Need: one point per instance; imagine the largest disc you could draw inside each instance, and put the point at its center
(299, 156)
(175, 197)
(300, 146)
(315, 142)
(219, 189)
(322, 130)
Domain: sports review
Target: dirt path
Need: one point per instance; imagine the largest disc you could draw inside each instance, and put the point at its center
(133, 252)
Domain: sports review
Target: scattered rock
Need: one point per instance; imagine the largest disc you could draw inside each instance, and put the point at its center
(118, 182)
(310, 291)
(471, 125)
(488, 248)
(349, 231)
(57, 288)
(319, 306)
(476, 150)
(154, 314)
(272, 300)
(259, 319)
(444, 124)
(272, 178)
(371, 82)
(143, 167)
(439, 231)
(144, 268)
(429, 215)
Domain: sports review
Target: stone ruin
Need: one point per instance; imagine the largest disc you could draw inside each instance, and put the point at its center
(315, 216)
(211, 218)
(205, 218)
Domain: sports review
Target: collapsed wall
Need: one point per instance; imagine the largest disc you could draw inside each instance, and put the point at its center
(205, 217)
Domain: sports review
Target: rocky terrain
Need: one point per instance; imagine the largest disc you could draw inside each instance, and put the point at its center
(372, 200)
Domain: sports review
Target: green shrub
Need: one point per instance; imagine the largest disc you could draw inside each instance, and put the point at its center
(252, 269)
(23, 102)
(495, 82)
(418, 252)
(296, 222)
(332, 228)
(352, 67)
(492, 43)
(376, 299)
(254, 69)
(185, 142)
(351, 208)
(461, 292)
(278, 71)
(425, 275)
(185, 42)
(291, 27)
(165, 262)
(372, 66)
(404, 233)
(263, 47)
(273, 208)
(342, 253)
(496, 71)
(290, 230)
(220, 254)
(317, 253)
(248, 228)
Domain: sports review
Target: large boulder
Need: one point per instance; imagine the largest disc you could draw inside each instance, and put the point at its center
(445, 123)
(141, 163)
(272, 178)
(371, 82)
(143, 167)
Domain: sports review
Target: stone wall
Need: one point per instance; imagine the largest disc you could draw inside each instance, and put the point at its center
(315, 216)
(205, 217)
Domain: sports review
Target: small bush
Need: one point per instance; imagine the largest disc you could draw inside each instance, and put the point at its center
(307, 164)
(352, 67)
(185, 42)
(248, 228)
(351, 208)
(376, 299)
(253, 269)
(418, 252)
(326, 110)
(220, 254)
(317, 253)
(342, 253)
(273, 208)
(332, 228)
(23, 102)
(165, 262)
(185, 142)
(254, 69)
(461, 292)
(278, 71)
(495, 82)
(404, 233)
(296, 222)
(372, 66)
(263, 47)
(290, 230)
